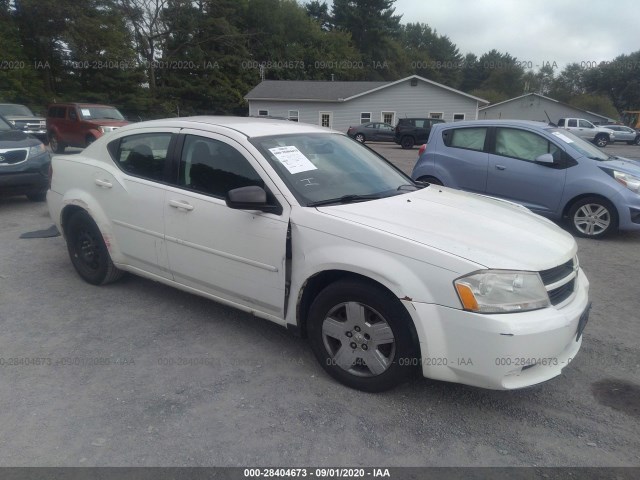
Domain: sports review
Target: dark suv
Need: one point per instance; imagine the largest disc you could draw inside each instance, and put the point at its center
(79, 124)
(411, 131)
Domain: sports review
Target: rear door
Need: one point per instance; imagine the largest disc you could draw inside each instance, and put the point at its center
(514, 175)
(132, 195)
(462, 160)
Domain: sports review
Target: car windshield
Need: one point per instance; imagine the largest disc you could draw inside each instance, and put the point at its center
(4, 125)
(324, 169)
(94, 113)
(15, 110)
(585, 148)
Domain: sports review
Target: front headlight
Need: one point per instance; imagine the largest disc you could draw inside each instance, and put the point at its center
(501, 291)
(37, 150)
(629, 181)
(104, 129)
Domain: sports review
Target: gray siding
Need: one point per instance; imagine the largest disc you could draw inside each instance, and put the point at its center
(402, 99)
(533, 108)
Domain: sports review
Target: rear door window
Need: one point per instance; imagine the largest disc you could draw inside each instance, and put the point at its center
(143, 155)
(465, 138)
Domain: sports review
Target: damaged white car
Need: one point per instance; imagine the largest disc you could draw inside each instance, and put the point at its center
(305, 227)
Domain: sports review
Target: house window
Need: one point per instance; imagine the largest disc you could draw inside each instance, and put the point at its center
(389, 117)
(458, 117)
(325, 119)
(293, 115)
(365, 117)
(436, 114)
(263, 113)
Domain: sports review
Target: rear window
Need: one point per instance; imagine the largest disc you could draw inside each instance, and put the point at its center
(466, 138)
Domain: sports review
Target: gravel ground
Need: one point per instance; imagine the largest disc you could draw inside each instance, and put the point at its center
(140, 374)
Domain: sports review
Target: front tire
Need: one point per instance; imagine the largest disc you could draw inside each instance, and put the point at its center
(361, 335)
(601, 141)
(593, 217)
(359, 137)
(56, 145)
(88, 252)
(407, 142)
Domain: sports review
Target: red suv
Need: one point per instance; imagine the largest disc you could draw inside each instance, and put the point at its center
(79, 124)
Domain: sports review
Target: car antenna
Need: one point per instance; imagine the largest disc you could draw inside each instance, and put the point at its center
(551, 124)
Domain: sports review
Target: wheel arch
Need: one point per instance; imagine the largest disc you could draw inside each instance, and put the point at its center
(577, 198)
(318, 281)
(75, 201)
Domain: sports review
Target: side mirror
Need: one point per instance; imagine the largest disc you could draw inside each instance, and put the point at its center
(545, 159)
(250, 198)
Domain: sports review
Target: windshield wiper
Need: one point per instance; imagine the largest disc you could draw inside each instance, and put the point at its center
(345, 199)
(410, 187)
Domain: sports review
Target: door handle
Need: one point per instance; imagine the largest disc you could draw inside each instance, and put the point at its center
(181, 205)
(501, 167)
(103, 183)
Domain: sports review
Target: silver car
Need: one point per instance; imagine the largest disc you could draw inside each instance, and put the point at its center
(625, 134)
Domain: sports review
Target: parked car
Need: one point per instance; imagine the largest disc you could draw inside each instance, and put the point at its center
(80, 124)
(549, 170)
(625, 134)
(372, 132)
(24, 164)
(586, 130)
(23, 119)
(302, 226)
(412, 131)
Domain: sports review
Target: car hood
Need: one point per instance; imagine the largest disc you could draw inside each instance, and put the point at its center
(22, 118)
(16, 139)
(625, 165)
(491, 232)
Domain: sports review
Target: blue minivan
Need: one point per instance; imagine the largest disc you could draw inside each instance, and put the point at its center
(548, 170)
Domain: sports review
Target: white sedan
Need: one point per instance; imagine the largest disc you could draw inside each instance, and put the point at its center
(307, 228)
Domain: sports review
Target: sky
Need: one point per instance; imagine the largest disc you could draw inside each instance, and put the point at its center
(533, 31)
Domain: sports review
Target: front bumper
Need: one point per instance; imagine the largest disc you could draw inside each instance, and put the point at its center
(499, 351)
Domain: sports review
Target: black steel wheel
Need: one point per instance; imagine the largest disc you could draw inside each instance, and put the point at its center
(88, 252)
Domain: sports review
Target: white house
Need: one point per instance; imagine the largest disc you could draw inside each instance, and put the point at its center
(340, 104)
(534, 106)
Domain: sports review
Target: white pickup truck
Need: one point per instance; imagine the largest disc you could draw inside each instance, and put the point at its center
(585, 129)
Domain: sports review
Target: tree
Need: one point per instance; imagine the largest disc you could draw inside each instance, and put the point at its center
(431, 55)
(319, 12)
(373, 27)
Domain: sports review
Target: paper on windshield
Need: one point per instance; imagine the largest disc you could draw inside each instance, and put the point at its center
(85, 112)
(292, 159)
(562, 137)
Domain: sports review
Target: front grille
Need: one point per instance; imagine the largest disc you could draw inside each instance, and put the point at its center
(11, 157)
(560, 281)
(560, 294)
(556, 274)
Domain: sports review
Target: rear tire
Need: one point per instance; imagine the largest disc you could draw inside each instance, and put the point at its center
(37, 197)
(593, 217)
(637, 140)
(361, 335)
(88, 252)
(407, 142)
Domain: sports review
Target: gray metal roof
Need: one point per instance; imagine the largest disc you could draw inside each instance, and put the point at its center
(328, 91)
(549, 99)
(310, 90)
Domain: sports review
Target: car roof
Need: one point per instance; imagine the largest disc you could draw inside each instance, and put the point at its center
(66, 104)
(247, 126)
(521, 123)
